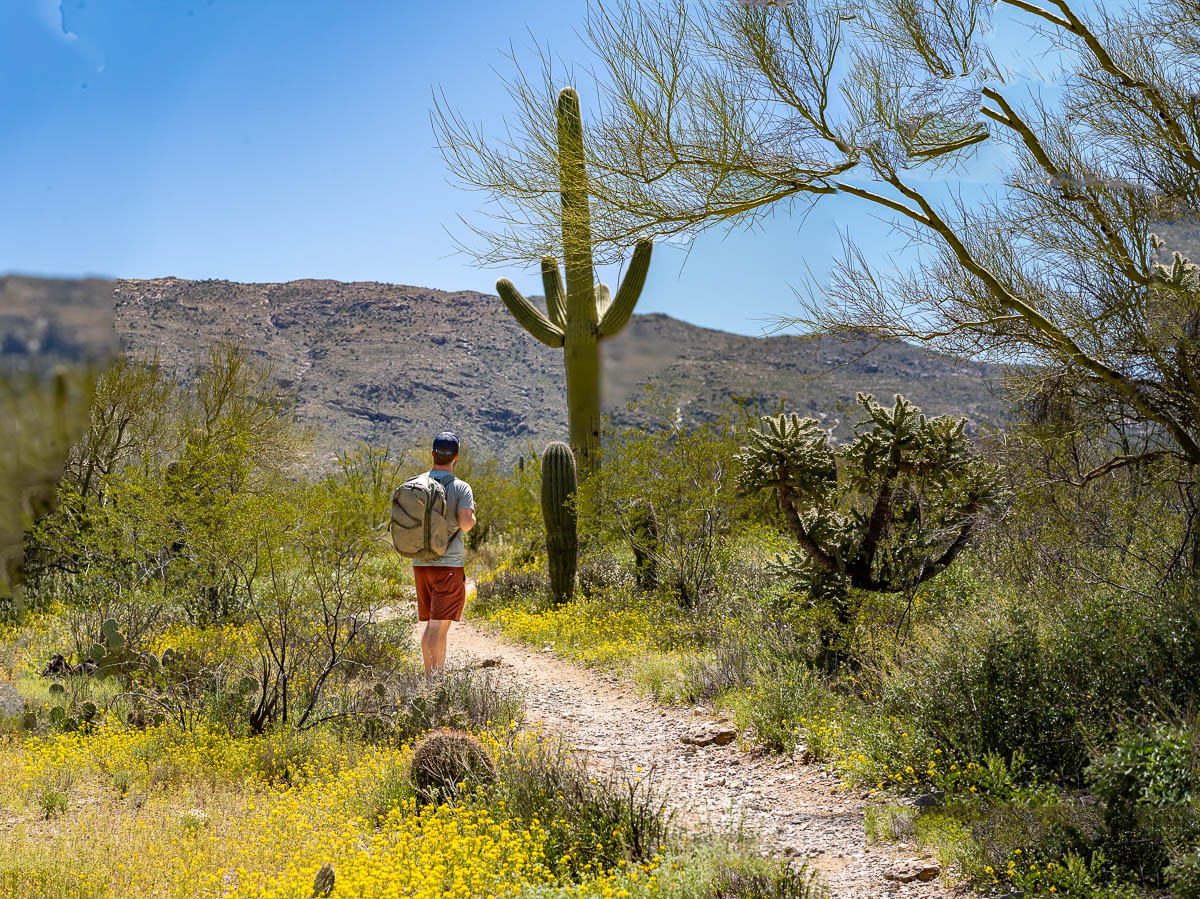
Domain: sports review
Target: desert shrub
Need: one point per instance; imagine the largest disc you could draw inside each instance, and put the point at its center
(446, 762)
(785, 882)
(686, 475)
(286, 756)
(591, 823)
(391, 791)
(729, 665)
(60, 880)
(1034, 830)
(1050, 684)
(509, 584)
(1183, 875)
(1149, 782)
(463, 699)
(787, 701)
(603, 573)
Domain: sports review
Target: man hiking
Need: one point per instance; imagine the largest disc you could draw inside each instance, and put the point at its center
(441, 582)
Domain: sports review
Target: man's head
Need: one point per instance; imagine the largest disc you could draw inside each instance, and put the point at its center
(445, 448)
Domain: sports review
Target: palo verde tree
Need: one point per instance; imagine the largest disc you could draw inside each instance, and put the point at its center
(886, 512)
(714, 113)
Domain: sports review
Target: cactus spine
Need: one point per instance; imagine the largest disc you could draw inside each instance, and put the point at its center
(584, 312)
(558, 512)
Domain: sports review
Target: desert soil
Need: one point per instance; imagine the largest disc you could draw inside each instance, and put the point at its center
(789, 809)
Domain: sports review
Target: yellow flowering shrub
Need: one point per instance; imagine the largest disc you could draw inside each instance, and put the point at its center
(219, 828)
(592, 632)
(209, 646)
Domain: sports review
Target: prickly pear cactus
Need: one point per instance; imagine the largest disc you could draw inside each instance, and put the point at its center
(558, 513)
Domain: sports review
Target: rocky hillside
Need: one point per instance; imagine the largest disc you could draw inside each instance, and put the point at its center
(389, 363)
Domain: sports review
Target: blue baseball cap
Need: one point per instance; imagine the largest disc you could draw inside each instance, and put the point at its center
(445, 442)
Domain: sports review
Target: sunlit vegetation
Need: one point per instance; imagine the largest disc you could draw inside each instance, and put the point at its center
(211, 689)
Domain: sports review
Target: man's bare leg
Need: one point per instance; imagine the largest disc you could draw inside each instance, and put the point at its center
(433, 645)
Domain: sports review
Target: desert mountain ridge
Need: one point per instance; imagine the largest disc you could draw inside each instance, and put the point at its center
(393, 364)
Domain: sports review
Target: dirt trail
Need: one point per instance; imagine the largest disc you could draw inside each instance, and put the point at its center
(793, 810)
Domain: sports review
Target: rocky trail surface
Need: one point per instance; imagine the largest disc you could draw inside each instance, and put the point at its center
(791, 809)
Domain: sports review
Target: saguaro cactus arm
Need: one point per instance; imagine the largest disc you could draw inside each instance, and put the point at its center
(617, 314)
(528, 315)
(556, 294)
(603, 300)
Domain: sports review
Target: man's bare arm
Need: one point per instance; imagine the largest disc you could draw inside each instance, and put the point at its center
(466, 519)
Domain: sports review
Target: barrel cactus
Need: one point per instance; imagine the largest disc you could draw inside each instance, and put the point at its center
(324, 882)
(558, 512)
(447, 759)
(584, 312)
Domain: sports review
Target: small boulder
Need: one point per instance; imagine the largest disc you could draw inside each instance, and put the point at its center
(911, 869)
(930, 800)
(11, 703)
(709, 733)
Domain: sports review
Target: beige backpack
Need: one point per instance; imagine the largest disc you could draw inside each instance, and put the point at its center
(422, 521)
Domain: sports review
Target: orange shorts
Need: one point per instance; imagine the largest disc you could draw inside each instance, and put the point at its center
(441, 592)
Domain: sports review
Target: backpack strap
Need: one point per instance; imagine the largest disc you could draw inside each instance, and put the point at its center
(446, 485)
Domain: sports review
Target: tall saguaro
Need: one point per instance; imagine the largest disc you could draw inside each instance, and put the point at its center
(583, 313)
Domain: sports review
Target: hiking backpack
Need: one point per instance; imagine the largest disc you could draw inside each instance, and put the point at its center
(421, 519)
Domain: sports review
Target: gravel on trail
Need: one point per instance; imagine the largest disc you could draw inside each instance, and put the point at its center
(788, 809)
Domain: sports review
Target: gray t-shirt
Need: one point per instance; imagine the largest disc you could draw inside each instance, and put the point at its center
(458, 496)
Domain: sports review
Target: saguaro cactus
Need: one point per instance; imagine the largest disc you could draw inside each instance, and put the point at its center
(643, 530)
(583, 313)
(558, 512)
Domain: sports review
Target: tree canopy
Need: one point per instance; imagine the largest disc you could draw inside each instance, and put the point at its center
(713, 114)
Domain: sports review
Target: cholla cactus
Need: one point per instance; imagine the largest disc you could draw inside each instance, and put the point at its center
(885, 513)
(1181, 274)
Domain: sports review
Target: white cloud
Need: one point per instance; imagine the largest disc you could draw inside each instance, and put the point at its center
(51, 14)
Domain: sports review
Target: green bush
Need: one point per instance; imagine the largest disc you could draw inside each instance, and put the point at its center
(785, 882)
(1051, 684)
(1183, 875)
(788, 700)
(464, 699)
(1149, 782)
(591, 823)
(508, 586)
(686, 475)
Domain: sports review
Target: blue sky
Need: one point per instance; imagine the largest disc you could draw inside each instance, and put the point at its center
(261, 140)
